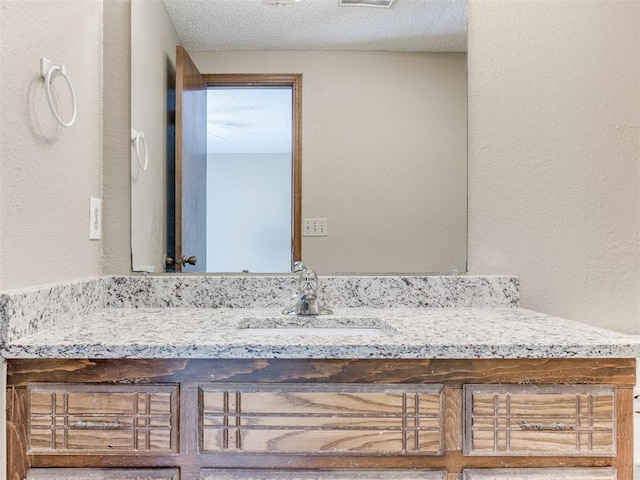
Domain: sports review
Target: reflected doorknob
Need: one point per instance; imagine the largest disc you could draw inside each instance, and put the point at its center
(192, 260)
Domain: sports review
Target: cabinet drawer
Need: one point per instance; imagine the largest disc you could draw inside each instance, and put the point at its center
(102, 419)
(216, 474)
(322, 419)
(539, 420)
(101, 474)
(541, 474)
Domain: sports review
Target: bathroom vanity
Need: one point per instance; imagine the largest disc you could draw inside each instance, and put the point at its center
(472, 392)
(189, 419)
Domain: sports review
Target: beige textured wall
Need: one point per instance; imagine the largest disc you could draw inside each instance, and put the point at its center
(153, 46)
(48, 172)
(383, 155)
(117, 145)
(554, 170)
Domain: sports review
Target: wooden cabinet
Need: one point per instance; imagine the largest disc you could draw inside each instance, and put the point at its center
(363, 474)
(537, 420)
(101, 474)
(320, 419)
(102, 419)
(541, 474)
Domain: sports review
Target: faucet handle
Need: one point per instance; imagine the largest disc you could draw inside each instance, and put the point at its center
(306, 301)
(308, 282)
(299, 267)
(308, 278)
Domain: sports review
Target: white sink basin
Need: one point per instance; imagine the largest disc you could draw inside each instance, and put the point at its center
(313, 327)
(312, 331)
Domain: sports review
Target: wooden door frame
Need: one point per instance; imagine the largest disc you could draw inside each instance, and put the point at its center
(294, 81)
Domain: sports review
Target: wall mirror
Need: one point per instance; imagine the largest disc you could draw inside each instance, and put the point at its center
(383, 145)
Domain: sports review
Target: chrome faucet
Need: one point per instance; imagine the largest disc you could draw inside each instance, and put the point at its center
(307, 299)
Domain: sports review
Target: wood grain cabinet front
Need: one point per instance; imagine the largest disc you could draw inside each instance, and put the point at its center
(102, 474)
(541, 474)
(361, 474)
(102, 419)
(322, 419)
(576, 420)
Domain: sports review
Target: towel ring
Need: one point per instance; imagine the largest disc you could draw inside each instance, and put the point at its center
(137, 138)
(49, 72)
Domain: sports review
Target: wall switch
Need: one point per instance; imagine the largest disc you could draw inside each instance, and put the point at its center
(95, 218)
(314, 227)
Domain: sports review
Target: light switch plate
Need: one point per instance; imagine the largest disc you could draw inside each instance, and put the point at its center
(95, 218)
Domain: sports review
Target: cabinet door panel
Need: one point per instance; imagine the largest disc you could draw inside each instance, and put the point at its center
(215, 474)
(101, 474)
(384, 419)
(539, 420)
(541, 474)
(104, 419)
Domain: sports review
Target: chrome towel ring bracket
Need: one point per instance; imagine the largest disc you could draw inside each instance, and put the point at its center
(138, 140)
(49, 72)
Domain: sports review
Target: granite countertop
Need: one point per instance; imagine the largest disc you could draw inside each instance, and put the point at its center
(502, 332)
(165, 316)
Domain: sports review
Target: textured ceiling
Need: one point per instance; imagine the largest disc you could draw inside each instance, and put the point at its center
(249, 120)
(408, 25)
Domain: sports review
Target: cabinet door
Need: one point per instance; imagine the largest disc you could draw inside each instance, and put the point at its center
(102, 419)
(541, 474)
(322, 419)
(101, 474)
(540, 420)
(211, 474)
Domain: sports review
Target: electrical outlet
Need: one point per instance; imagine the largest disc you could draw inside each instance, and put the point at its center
(314, 227)
(95, 218)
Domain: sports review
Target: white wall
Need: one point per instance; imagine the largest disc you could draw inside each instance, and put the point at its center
(48, 172)
(554, 168)
(383, 154)
(249, 212)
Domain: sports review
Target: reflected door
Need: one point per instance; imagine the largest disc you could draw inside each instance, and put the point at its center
(191, 165)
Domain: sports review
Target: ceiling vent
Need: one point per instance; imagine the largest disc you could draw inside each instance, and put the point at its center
(365, 3)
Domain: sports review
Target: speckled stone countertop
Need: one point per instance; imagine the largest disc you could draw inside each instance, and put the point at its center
(213, 317)
(405, 333)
